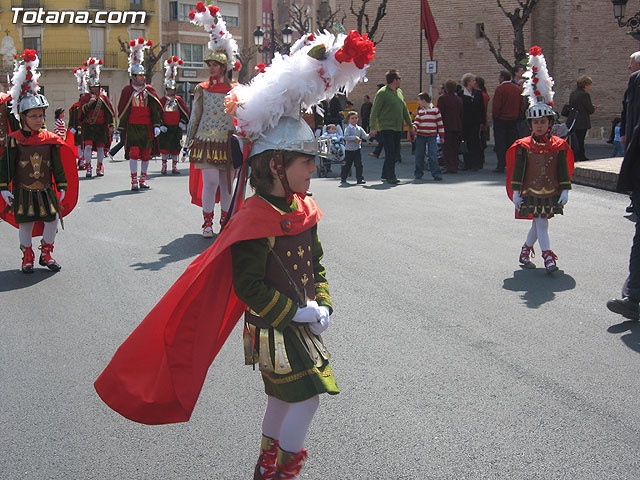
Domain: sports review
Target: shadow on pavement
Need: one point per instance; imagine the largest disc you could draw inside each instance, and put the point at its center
(105, 197)
(14, 279)
(189, 245)
(631, 339)
(538, 286)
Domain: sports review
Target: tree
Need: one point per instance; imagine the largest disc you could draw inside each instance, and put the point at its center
(150, 57)
(362, 18)
(519, 17)
(299, 16)
(245, 56)
(326, 16)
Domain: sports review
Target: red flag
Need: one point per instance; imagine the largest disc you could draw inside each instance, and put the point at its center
(428, 24)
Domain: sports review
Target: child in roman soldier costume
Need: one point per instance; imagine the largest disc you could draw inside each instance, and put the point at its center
(175, 117)
(75, 113)
(539, 167)
(139, 116)
(266, 264)
(38, 176)
(97, 118)
(210, 128)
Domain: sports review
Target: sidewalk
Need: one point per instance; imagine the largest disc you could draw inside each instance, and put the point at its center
(601, 173)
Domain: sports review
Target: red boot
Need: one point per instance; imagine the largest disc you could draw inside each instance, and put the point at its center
(81, 165)
(163, 170)
(550, 261)
(526, 253)
(27, 259)
(266, 466)
(175, 170)
(134, 182)
(89, 171)
(100, 170)
(143, 181)
(288, 465)
(207, 226)
(46, 260)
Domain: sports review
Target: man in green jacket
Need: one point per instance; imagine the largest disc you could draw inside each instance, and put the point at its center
(387, 114)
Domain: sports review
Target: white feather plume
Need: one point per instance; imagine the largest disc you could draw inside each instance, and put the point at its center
(294, 82)
(93, 65)
(20, 85)
(538, 85)
(171, 70)
(81, 78)
(219, 36)
(137, 48)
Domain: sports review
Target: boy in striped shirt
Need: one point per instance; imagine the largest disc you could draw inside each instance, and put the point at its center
(353, 136)
(427, 125)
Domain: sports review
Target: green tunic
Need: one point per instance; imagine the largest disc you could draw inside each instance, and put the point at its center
(310, 372)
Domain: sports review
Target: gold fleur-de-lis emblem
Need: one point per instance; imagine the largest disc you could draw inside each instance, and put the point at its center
(304, 279)
(300, 251)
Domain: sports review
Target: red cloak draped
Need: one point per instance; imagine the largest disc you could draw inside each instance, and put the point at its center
(556, 144)
(156, 375)
(68, 158)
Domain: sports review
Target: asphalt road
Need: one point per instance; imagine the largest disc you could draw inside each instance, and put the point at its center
(453, 363)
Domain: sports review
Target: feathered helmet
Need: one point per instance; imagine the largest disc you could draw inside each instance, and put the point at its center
(170, 71)
(538, 86)
(222, 48)
(93, 65)
(267, 110)
(81, 78)
(24, 84)
(136, 57)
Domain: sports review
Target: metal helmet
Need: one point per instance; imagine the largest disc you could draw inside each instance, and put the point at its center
(540, 110)
(93, 82)
(137, 69)
(31, 101)
(292, 135)
(219, 56)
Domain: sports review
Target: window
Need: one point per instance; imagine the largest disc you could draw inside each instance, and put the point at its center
(173, 11)
(183, 12)
(230, 13)
(135, 4)
(192, 55)
(96, 4)
(479, 30)
(134, 34)
(32, 43)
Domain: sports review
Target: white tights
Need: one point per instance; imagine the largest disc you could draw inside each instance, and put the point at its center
(25, 231)
(289, 422)
(80, 152)
(87, 154)
(539, 231)
(212, 178)
(133, 166)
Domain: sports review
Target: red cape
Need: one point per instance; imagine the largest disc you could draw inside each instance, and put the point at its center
(68, 158)
(156, 375)
(556, 143)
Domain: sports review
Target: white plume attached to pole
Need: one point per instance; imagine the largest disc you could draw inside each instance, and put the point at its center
(538, 85)
(137, 48)
(219, 37)
(81, 78)
(25, 78)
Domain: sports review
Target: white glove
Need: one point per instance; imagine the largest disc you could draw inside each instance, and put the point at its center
(323, 320)
(517, 199)
(72, 130)
(307, 314)
(62, 194)
(163, 129)
(182, 126)
(564, 197)
(7, 196)
(156, 131)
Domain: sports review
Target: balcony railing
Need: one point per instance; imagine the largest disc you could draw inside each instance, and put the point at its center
(100, 5)
(28, 3)
(75, 58)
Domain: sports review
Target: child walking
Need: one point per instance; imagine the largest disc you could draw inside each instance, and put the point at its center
(266, 263)
(539, 167)
(353, 136)
(60, 127)
(426, 126)
(618, 151)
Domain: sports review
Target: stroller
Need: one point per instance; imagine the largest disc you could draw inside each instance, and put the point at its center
(335, 152)
(565, 130)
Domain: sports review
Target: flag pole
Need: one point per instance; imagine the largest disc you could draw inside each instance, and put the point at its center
(421, 35)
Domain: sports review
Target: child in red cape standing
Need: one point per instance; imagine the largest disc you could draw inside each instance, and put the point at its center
(539, 167)
(266, 263)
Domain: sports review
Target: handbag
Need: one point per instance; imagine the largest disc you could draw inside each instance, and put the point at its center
(566, 110)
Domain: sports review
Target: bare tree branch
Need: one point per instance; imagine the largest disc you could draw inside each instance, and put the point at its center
(362, 18)
(245, 56)
(299, 18)
(150, 59)
(497, 53)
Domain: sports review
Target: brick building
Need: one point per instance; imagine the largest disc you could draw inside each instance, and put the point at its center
(577, 37)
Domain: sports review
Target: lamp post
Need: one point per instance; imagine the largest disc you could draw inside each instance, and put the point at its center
(274, 46)
(619, 8)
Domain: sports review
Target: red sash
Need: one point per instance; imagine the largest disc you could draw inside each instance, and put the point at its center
(140, 116)
(172, 118)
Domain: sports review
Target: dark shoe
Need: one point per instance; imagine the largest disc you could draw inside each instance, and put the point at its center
(418, 177)
(393, 181)
(498, 170)
(344, 183)
(626, 307)
(361, 182)
(437, 179)
(371, 154)
(630, 208)
(144, 186)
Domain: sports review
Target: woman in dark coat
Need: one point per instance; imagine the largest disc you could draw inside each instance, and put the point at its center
(580, 100)
(450, 106)
(473, 115)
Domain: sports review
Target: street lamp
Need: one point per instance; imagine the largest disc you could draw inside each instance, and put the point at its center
(274, 45)
(619, 8)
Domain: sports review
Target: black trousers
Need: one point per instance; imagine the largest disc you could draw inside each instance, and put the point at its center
(471, 136)
(578, 150)
(505, 132)
(391, 145)
(352, 157)
(633, 280)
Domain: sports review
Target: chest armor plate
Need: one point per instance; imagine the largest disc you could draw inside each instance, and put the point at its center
(171, 105)
(33, 168)
(215, 124)
(541, 175)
